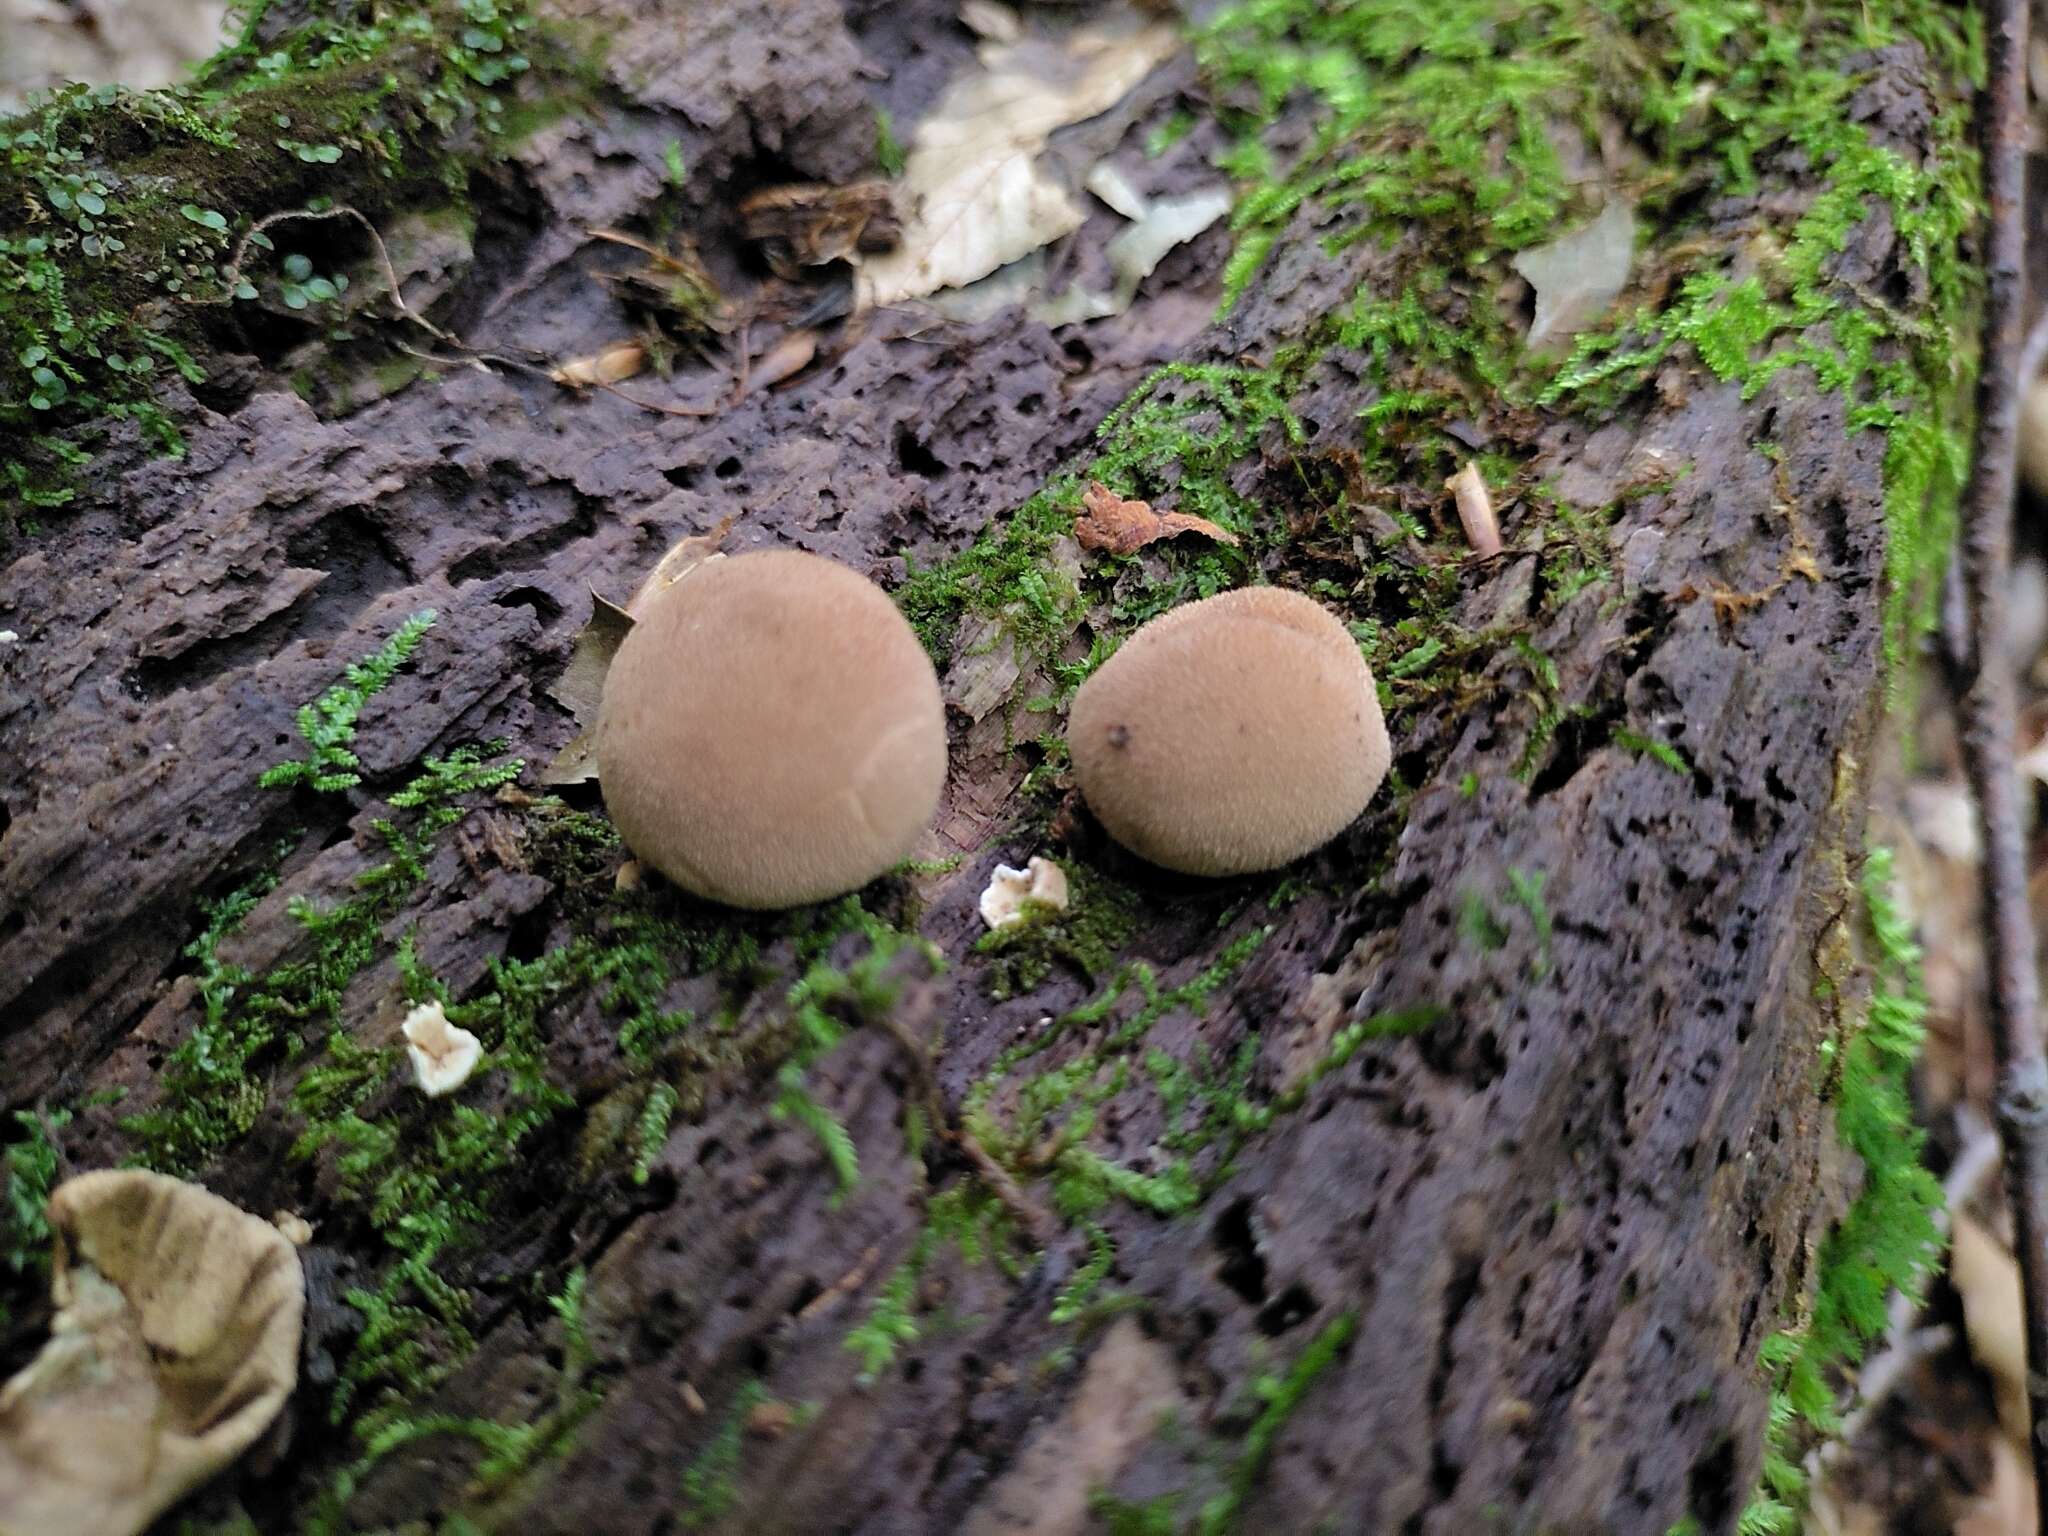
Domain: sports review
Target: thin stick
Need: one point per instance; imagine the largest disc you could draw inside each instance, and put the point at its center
(233, 274)
(1989, 706)
(1037, 1225)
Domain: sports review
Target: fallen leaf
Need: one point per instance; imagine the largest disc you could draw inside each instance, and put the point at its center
(1109, 521)
(809, 224)
(616, 363)
(989, 18)
(770, 1420)
(785, 360)
(2006, 1508)
(683, 557)
(1110, 184)
(580, 688)
(1578, 275)
(174, 1346)
(1988, 1280)
(971, 176)
(1135, 252)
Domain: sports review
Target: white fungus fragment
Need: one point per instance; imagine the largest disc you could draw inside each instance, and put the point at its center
(1009, 889)
(443, 1054)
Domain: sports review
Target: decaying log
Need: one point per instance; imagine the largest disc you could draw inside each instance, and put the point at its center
(1517, 1264)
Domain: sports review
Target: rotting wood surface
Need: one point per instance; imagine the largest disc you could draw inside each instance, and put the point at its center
(1564, 1217)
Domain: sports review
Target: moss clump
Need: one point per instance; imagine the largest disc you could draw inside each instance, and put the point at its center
(1087, 934)
(1887, 1239)
(31, 1165)
(140, 209)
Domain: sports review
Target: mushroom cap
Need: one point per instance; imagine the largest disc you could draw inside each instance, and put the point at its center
(772, 732)
(175, 1344)
(1230, 735)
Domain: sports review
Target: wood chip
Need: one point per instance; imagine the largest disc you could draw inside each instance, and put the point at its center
(1109, 521)
(1475, 510)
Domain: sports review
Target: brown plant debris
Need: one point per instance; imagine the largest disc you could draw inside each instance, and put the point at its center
(1121, 526)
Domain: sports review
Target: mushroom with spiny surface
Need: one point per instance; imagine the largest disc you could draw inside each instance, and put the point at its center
(771, 732)
(1230, 735)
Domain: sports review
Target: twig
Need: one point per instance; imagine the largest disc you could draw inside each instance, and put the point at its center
(233, 274)
(1037, 1227)
(1982, 676)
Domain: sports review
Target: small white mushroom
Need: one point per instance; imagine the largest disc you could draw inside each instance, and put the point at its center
(175, 1343)
(1040, 881)
(443, 1054)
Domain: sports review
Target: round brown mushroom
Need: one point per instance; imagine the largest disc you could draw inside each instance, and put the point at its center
(771, 732)
(1230, 735)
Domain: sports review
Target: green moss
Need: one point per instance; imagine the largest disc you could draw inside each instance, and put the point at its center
(510, 1450)
(31, 1164)
(1650, 747)
(328, 724)
(1279, 1396)
(1087, 934)
(129, 262)
(710, 1488)
(1887, 1240)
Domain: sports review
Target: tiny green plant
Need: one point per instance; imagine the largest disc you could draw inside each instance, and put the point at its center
(328, 724)
(31, 1165)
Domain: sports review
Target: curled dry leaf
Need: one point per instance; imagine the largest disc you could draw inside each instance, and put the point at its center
(683, 557)
(580, 688)
(176, 1342)
(978, 197)
(1109, 521)
(1475, 510)
(812, 225)
(615, 364)
(785, 360)
(1135, 252)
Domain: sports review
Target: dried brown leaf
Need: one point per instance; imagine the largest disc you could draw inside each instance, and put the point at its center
(1109, 521)
(580, 688)
(1987, 1278)
(617, 362)
(683, 557)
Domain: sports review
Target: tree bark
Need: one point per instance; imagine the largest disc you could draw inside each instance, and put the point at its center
(1539, 1240)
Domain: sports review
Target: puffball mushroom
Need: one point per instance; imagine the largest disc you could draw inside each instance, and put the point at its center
(771, 732)
(175, 1343)
(1230, 735)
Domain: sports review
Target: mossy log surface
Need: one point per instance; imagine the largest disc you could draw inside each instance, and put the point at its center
(1508, 1267)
